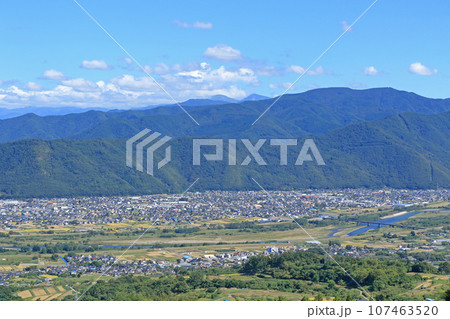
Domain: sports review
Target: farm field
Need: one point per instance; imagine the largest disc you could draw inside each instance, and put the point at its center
(173, 242)
(45, 293)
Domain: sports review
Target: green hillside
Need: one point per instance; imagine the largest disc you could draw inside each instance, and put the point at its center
(313, 112)
(401, 151)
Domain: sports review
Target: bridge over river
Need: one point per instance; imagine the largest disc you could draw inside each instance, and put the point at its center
(381, 224)
(386, 222)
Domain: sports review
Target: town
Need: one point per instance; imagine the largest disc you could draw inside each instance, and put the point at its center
(46, 240)
(203, 206)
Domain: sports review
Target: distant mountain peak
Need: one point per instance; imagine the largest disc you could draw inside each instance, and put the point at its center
(313, 112)
(255, 97)
(223, 98)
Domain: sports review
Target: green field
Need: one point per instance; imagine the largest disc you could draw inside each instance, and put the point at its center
(171, 241)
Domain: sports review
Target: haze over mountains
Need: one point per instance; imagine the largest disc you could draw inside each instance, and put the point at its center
(368, 138)
(43, 111)
(46, 111)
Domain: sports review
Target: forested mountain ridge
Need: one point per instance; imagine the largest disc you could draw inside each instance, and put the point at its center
(313, 112)
(401, 151)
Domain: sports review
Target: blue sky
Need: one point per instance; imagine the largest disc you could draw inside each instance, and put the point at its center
(54, 55)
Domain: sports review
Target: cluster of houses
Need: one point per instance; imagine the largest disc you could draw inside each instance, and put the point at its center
(86, 264)
(77, 265)
(201, 206)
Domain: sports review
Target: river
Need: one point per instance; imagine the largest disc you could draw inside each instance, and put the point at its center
(389, 220)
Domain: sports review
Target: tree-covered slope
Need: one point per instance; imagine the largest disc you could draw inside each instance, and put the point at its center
(313, 112)
(402, 151)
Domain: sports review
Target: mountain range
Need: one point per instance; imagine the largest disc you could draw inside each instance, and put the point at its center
(368, 138)
(6, 113)
(314, 112)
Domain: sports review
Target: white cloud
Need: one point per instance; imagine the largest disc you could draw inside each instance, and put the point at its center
(80, 84)
(204, 65)
(283, 85)
(300, 70)
(161, 68)
(181, 24)
(370, 70)
(267, 70)
(346, 26)
(420, 69)
(147, 69)
(222, 52)
(95, 65)
(218, 75)
(186, 81)
(195, 25)
(128, 60)
(202, 25)
(317, 71)
(296, 69)
(9, 82)
(33, 86)
(129, 82)
(53, 75)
